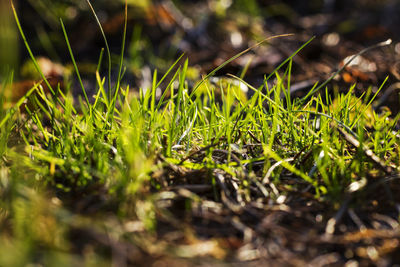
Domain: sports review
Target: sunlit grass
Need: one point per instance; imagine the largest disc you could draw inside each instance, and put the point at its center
(112, 147)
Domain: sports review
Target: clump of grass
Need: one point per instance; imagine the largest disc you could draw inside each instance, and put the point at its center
(118, 152)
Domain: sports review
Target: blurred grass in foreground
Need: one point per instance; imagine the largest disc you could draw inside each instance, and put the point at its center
(8, 39)
(90, 182)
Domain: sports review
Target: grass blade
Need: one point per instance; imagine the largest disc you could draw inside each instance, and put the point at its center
(107, 47)
(235, 57)
(74, 62)
(312, 92)
(35, 63)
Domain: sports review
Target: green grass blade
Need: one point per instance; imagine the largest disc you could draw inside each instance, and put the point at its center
(35, 63)
(288, 59)
(107, 47)
(18, 105)
(121, 62)
(370, 102)
(312, 92)
(233, 58)
(74, 62)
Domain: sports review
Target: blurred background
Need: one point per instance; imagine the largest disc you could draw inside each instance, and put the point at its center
(208, 32)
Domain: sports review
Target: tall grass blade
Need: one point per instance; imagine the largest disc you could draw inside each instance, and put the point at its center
(74, 62)
(235, 57)
(312, 92)
(107, 47)
(35, 63)
(288, 59)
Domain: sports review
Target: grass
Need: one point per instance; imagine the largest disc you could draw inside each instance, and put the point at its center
(95, 181)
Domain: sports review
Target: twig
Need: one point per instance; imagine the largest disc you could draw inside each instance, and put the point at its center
(368, 152)
(201, 150)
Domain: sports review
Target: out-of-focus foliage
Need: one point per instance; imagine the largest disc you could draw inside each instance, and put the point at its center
(8, 39)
